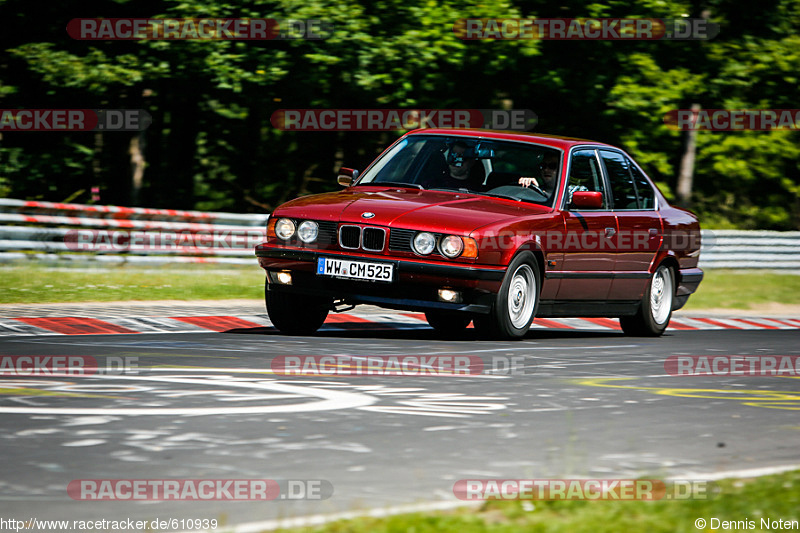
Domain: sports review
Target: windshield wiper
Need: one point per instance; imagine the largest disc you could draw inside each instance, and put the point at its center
(394, 184)
(506, 196)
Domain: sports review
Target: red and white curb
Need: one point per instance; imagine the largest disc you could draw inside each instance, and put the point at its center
(337, 322)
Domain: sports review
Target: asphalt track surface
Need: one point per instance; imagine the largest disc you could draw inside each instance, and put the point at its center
(583, 403)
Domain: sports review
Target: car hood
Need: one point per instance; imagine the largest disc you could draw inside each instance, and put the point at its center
(408, 208)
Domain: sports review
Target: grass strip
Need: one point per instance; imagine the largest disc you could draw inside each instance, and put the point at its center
(728, 289)
(39, 284)
(746, 501)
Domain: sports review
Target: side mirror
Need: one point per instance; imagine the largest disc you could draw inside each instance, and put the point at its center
(587, 199)
(346, 176)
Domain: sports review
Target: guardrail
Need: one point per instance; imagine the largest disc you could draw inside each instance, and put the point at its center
(750, 249)
(47, 231)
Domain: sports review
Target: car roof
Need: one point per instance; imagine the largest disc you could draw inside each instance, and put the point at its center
(556, 141)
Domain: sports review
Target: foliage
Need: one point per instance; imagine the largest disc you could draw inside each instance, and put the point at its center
(212, 146)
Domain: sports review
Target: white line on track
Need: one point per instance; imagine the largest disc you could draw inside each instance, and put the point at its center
(327, 400)
(745, 473)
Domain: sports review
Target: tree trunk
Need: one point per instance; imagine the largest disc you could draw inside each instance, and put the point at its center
(686, 175)
(136, 152)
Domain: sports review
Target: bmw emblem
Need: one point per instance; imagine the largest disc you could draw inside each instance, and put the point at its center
(367, 214)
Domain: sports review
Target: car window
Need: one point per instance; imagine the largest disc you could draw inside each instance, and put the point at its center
(513, 161)
(623, 190)
(394, 166)
(471, 164)
(519, 160)
(584, 175)
(644, 189)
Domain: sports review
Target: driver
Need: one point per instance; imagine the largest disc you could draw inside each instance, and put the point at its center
(549, 171)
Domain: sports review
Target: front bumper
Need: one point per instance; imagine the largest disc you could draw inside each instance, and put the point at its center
(415, 286)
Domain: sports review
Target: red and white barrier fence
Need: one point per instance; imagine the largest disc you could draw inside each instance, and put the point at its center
(57, 220)
(10, 205)
(74, 232)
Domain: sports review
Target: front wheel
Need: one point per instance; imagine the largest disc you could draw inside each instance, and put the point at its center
(295, 315)
(516, 303)
(652, 317)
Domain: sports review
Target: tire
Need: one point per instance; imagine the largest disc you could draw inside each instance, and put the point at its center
(655, 311)
(448, 323)
(295, 315)
(516, 303)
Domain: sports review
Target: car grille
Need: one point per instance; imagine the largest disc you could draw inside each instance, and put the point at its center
(373, 238)
(327, 232)
(400, 240)
(368, 239)
(350, 237)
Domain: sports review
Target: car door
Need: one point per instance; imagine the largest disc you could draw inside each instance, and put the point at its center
(588, 262)
(639, 225)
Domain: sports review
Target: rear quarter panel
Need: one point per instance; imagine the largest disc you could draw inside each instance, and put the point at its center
(681, 238)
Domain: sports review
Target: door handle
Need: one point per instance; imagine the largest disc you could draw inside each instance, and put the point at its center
(610, 232)
(653, 232)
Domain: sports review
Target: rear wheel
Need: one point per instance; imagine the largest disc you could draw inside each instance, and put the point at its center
(296, 315)
(652, 317)
(448, 323)
(516, 303)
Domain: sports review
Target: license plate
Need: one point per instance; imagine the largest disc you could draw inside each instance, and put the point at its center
(345, 268)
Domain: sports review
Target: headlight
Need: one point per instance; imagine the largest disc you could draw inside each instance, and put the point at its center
(424, 243)
(284, 228)
(308, 231)
(451, 246)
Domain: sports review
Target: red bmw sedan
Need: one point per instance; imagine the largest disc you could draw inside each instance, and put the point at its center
(489, 227)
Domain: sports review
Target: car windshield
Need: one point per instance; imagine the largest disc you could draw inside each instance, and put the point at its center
(519, 171)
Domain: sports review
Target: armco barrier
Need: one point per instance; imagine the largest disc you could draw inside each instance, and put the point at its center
(9, 205)
(47, 231)
(40, 231)
(750, 249)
